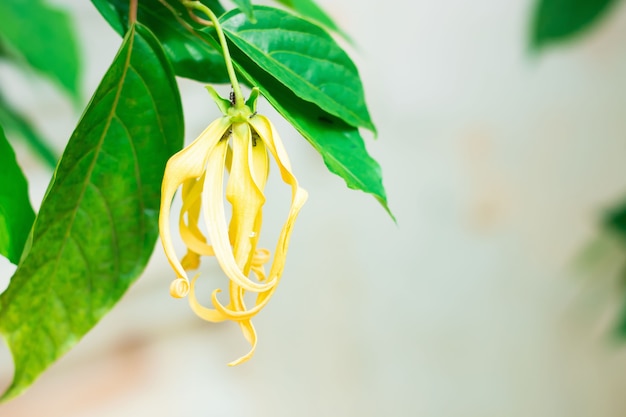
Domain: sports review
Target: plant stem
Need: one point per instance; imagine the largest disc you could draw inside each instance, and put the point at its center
(132, 12)
(239, 100)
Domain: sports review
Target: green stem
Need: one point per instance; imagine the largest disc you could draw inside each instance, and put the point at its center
(239, 100)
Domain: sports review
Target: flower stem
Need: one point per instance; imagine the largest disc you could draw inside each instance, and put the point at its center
(239, 100)
(132, 12)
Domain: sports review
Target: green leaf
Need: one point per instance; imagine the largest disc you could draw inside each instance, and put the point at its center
(175, 30)
(44, 36)
(18, 125)
(16, 213)
(340, 144)
(310, 9)
(246, 7)
(303, 57)
(98, 222)
(557, 20)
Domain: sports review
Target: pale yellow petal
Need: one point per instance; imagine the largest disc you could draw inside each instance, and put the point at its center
(244, 196)
(190, 233)
(187, 164)
(191, 208)
(179, 288)
(259, 167)
(250, 335)
(240, 313)
(260, 258)
(270, 137)
(208, 314)
(215, 218)
(259, 162)
(200, 169)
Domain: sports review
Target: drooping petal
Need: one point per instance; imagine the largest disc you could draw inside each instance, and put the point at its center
(270, 137)
(187, 164)
(215, 218)
(248, 176)
(208, 314)
(190, 231)
(213, 178)
(221, 312)
(200, 169)
(259, 162)
(250, 334)
(245, 197)
(259, 169)
(239, 314)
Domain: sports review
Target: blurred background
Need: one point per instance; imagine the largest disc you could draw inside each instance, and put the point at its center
(496, 294)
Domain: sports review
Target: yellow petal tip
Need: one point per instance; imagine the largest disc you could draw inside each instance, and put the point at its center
(179, 288)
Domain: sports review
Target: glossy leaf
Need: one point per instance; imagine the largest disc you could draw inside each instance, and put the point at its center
(311, 10)
(340, 144)
(16, 213)
(97, 225)
(44, 37)
(175, 30)
(304, 58)
(17, 125)
(558, 20)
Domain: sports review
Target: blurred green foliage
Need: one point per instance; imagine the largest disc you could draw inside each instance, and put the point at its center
(555, 21)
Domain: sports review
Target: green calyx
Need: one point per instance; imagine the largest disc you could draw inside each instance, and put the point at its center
(237, 112)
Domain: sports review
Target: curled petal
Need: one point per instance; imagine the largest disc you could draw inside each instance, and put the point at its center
(208, 314)
(246, 326)
(260, 258)
(269, 136)
(199, 168)
(240, 314)
(250, 334)
(179, 287)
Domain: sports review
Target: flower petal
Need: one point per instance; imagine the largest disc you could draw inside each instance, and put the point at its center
(215, 217)
(250, 334)
(244, 196)
(187, 164)
(270, 137)
(189, 231)
(208, 314)
(239, 314)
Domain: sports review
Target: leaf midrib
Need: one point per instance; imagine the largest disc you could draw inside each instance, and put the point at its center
(90, 169)
(287, 69)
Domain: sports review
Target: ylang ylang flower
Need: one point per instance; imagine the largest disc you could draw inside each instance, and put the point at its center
(240, 143)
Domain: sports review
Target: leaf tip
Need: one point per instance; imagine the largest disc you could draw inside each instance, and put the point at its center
(383, 202)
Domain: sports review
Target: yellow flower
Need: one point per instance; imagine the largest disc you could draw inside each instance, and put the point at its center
(238, 142)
